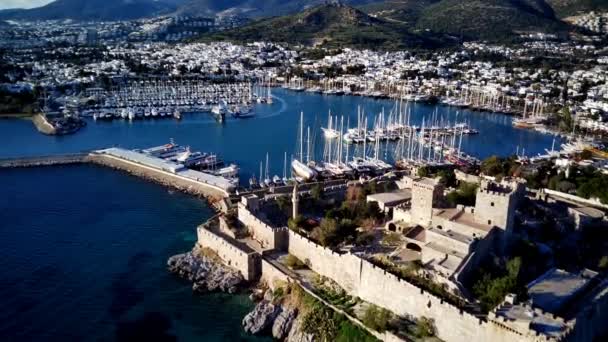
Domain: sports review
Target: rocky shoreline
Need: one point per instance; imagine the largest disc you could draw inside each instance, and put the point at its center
(269, 316)
(205, 273)
(277, 319)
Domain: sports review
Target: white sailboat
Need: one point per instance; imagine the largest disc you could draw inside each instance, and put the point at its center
(299, 167)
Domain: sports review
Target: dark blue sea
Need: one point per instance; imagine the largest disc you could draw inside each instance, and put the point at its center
(83, 248)
(83, 254)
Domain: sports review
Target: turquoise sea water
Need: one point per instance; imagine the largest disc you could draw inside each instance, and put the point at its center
(83, 248)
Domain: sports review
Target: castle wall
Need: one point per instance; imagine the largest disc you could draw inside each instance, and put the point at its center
(269, 237)
(244, 262)
(342, 268)
(360, 278)
(271, 275)
(591, 321)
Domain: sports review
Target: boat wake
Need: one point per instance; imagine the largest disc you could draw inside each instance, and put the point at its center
(279, 111)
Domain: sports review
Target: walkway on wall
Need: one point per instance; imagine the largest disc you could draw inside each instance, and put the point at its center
(305, 285)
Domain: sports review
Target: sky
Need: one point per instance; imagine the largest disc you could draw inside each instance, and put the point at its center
(4, 4)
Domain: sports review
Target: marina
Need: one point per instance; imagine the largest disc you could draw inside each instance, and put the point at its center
(496, 133)
(140, 99)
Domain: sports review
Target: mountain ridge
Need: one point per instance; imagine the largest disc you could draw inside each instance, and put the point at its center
(332, 25)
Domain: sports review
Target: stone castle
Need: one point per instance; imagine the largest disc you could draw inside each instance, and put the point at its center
(451, 242)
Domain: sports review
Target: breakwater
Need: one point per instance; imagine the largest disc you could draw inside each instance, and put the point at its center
(65, 159)
(147, 172)
(162, 177)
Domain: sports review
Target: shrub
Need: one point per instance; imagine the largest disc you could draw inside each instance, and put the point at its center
(376, 318)
(425, 327)
(392, 239)
(364, 239)
(294, 263)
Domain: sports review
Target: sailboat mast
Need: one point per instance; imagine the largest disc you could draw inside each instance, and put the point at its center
(301, 136)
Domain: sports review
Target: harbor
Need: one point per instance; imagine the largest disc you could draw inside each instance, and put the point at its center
(157, 98)
(496, 135)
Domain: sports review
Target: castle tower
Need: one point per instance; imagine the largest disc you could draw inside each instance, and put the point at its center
(495, 203)
(295, 200)
(426, 193)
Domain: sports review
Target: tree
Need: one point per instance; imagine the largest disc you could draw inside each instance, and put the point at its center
(316, 192)
(603, 263)
(327, 232)
(491, 290)
(283, 202)
(465, 195)
(491, 166)
(295, 224)
(423, 171)
(447, 177)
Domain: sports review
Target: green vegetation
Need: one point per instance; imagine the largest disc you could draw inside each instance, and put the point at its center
(340, 223)
(586, 182)
(326, 325)
(392, 239)
(294, 263)
(423, 171)
(328, 25)
(377, 318)
(334, 294)
(322, 322)
(498, 167)
(364, 239)
(17, 103)
(465, 194)
(425, 327)
(332, 232)
(283, 202)
(492, 288)
(295, 224)
(603, 263)
(488, 19)
(316, 193)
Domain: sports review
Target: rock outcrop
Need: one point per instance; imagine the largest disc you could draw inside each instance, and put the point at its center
(283, 323)
(297, 334)
(205, 273)
(268, 316)
(261, 318)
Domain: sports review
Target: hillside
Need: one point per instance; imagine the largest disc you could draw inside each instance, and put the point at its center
(487, 19)
(406, 12)
(255, 8)
(92, 10)
(565, 8)
(334, 25)
(134, 9)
